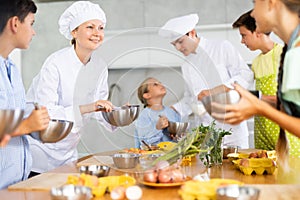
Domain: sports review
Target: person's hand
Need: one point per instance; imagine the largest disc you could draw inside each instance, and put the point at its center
(107, 106)
(248, 106)
(38, 120)
(5, 139)
(162, 123)
(203, 93)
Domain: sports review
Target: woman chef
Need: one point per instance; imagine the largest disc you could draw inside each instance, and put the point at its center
(71, 83)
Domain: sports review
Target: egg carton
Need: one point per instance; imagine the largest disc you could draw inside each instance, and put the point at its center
(257, 166)
(257, 170)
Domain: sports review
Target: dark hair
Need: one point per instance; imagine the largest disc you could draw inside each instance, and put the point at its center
(11, 8)
(292, 5)
(245, 20)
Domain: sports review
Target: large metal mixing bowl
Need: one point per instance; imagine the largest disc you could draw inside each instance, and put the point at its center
(10, 120)
(122, 116)
(230, 97)
(56, 131)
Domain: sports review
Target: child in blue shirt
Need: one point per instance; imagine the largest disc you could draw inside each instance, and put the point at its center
(154, 119)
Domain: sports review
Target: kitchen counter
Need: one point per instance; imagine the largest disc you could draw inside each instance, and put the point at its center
(277, 186)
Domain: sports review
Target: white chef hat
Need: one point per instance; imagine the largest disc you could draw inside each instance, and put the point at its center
(179, 26)
(78, 13)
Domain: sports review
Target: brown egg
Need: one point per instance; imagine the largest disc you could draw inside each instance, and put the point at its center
(253, 155)
(263, 154)
(244, 162)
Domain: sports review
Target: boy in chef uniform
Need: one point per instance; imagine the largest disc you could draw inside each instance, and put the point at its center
(210, 67)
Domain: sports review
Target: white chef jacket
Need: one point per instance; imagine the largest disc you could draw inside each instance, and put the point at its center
(215, 63)
(62, 85)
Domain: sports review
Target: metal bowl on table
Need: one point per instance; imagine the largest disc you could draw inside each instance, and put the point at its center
(230, 97)
(235, 192)
(177, 128)
(125, 160)
(10, 120)
(56, 131)
(71, 192)
(95, 170)
(122, 116)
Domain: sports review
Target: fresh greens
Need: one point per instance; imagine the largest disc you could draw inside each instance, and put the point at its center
(203, 140)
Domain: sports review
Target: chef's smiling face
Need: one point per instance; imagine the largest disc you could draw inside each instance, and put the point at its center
(89, 35)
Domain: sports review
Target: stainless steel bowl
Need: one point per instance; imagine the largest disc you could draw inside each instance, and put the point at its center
(235, 192)
(125, 160)
(230, 97)
(95, 170)
(56, 131)
(177, 128)
(10, 120)
(71, 192)
(122, 116)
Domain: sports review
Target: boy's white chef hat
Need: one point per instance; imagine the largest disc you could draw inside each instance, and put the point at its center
(78, 13)
(179, 26)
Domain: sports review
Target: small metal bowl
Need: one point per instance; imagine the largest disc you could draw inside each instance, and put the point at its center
(145, 161)
(56, 131)
(71, 192)
(122, 116)
(125, 160)
(235, 192)
(95, 170)
(177, 128)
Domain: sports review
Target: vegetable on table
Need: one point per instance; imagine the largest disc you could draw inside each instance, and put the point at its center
(203, 140)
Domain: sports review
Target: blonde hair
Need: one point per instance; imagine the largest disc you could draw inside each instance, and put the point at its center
(142, 89)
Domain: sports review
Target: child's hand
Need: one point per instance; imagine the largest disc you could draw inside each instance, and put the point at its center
(162, 123)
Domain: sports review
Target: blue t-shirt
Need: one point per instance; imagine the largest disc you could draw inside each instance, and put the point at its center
(145, 126)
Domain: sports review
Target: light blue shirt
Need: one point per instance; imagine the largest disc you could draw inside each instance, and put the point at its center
(15, 159)
(145, 126)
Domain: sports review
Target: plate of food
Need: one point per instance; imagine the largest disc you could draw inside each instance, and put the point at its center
(162, 185)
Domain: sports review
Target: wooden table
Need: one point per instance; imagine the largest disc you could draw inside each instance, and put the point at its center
(271, 186)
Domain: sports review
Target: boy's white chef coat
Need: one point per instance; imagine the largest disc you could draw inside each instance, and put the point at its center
(215, 63)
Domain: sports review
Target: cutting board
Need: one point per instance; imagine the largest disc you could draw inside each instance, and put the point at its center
(97, 160)
(43, 181)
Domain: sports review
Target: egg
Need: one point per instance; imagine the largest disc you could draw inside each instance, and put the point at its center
(118, 193)
(134, 193)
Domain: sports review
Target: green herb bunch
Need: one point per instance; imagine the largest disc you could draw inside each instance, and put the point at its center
(203, 140)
